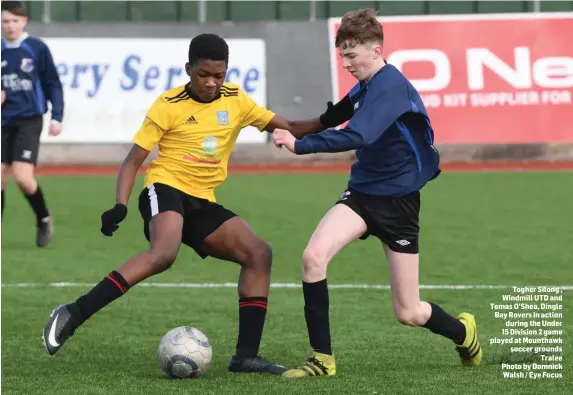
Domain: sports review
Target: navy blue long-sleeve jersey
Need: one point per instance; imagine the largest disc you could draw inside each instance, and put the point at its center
(30, 80)
(390, 130)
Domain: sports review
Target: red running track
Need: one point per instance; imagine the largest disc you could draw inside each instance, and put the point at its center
(83, 170)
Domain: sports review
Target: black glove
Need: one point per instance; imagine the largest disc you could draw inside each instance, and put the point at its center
(337, 114)
(111, 218)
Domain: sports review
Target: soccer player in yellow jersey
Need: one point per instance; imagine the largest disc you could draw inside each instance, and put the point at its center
(195, 126)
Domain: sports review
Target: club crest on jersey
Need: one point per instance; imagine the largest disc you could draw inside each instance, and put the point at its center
(210, 144)
(27, 65)
(223, 117)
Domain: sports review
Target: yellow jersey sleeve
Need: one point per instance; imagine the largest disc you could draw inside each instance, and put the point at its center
(148, 134)
(255, 115)
(162, 114)
(159, 118)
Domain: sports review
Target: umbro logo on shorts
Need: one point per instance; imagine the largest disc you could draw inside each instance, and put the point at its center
(192, 120)
(403, 242)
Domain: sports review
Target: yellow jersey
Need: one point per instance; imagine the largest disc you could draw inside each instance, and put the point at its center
(196, 139)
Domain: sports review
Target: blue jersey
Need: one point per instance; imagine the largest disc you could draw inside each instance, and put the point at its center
(29, 80)
(392, 133)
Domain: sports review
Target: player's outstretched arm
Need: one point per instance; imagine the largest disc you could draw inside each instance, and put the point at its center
(330, 140)
(365, 127)
(299, 129)
(125, 180)
(335, 115)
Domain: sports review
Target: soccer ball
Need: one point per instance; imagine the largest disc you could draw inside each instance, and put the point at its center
(185, 352)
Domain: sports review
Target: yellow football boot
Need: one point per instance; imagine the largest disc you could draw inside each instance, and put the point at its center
(470, 351)
(317, 365)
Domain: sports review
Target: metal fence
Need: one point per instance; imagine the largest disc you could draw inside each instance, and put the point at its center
(204, 11)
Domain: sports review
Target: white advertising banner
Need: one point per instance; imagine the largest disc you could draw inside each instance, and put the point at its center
(110, 83)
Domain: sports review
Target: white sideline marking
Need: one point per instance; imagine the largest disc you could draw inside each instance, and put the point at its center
(274, 285)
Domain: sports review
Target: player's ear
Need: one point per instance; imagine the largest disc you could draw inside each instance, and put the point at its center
(188, 69)
(377, 50)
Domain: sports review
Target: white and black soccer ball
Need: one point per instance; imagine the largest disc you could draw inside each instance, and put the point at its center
(185, 352)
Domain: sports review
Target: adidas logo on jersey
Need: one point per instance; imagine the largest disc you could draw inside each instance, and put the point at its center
(192, 120)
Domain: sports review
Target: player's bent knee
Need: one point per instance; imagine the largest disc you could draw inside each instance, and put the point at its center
(27, 185)
(260, 256)
(162, 260)
(314, 261)
(24, 177)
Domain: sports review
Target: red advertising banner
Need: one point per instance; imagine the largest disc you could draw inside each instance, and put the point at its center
(484, 79)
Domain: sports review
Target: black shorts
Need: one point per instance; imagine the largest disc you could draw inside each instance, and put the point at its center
(21, 140)
(200, 216)
(394, 220)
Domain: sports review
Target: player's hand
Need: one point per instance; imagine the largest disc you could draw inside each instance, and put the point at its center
(55, 128)
(337, 114)
(3, 96)
(284, 138)
(111, 218)
(326, 117)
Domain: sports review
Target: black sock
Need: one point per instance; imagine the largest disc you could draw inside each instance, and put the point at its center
(252, 314)
(316, 313)
(38, 204)
(3, 197)
(444, 324)
(105, 292)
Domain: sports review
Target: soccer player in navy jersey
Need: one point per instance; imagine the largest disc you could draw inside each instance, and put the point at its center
(29, 81)
(391, 131)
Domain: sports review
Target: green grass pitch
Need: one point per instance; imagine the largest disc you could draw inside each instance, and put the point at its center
(477, 229)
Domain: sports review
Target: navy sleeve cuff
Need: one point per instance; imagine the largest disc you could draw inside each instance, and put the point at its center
(330, 140)
(300, 148)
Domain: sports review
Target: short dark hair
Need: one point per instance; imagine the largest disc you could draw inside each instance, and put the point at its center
(359, 27)
(15, 7)
(208, 46)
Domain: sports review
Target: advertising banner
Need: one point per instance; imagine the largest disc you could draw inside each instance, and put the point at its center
(110, 83)
(483, 78)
